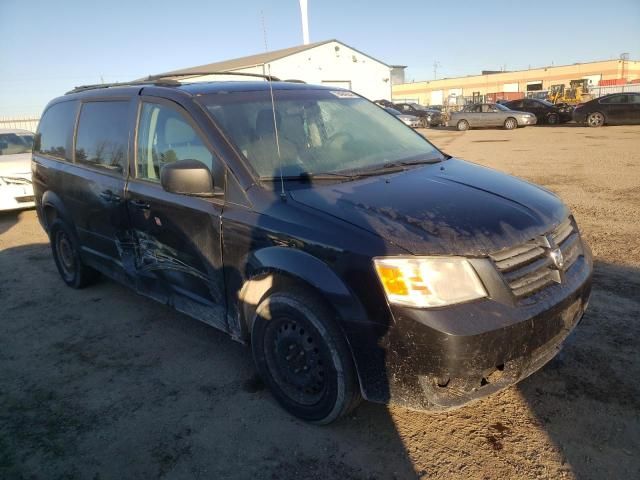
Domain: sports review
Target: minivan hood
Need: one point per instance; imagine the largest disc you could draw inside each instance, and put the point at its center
(453, 207)
(16, 164)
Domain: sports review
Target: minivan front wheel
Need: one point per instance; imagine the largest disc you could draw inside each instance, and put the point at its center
(66, 254)
(303, 357)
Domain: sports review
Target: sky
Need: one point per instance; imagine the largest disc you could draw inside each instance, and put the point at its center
(49, 46)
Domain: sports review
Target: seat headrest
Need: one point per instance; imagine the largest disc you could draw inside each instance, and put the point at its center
(264, 122)
(178, 131)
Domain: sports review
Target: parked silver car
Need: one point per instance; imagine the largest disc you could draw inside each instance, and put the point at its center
(490, 115)
(409, 120)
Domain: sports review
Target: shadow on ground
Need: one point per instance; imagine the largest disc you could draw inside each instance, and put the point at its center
(101, 381)
(588, 398)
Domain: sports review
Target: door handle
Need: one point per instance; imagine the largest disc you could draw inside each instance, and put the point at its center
(141, 204)
(109, 196)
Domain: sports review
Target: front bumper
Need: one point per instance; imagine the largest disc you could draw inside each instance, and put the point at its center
(438, 359)
(579, 116)
(532, 120)
(412, 123)
(15, 197)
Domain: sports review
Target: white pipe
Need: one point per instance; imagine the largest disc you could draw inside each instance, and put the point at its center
(305, 22)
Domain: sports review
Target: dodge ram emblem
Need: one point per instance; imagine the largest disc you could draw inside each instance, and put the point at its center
(557, 257)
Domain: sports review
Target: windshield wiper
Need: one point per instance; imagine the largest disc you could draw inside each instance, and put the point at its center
(406, 163)
(397, 166)
(311, 176)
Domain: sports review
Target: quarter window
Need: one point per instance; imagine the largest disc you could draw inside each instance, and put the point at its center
(165, 136)
(103, 135)
(54, 130)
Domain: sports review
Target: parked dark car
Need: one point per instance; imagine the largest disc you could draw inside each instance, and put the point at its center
(613, 109)
(545, 112)
(385, 103)
(429, 117)
(354, 257)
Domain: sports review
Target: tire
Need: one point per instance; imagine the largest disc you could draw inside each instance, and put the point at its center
(66, 253)
(510, 123)
(463, 125)
(303, 357)
(595, 119)
(424, 123)
(553, 119)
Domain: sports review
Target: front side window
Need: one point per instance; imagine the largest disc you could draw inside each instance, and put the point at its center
(165, 136)
(103, 135)
(54, 130)
(318, 131)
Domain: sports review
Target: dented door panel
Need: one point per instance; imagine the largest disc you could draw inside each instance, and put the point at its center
(175, 250)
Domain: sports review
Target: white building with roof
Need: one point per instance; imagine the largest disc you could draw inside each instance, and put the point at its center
(330, 62)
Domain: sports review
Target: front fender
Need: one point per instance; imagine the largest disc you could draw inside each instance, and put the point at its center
(297, 265)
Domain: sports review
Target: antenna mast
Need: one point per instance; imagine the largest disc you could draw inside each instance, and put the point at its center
(273, 108)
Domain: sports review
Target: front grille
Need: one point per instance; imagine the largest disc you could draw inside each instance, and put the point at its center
(530, 267)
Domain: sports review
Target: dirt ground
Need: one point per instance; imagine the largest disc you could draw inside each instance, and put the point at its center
(103, 384)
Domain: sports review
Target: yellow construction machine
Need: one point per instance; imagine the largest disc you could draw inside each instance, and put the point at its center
(578, 92)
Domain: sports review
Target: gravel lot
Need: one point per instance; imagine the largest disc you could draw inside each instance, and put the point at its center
(102, 383)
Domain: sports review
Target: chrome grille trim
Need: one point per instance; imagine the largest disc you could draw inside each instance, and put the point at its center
(529, 268)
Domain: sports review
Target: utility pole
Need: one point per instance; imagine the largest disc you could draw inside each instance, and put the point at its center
(436, 64)
(624, 57)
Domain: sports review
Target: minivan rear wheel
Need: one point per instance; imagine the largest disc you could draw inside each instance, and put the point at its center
(303, 357)
(66, 254)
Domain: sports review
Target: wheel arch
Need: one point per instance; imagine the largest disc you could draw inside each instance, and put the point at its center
(271, 268)
(53, 208)
(276, 268)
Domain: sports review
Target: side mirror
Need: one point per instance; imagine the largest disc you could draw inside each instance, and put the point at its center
(187, 177)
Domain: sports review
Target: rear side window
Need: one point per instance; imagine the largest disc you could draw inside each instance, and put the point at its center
(615, 99)
(103, 135)
(54, 130)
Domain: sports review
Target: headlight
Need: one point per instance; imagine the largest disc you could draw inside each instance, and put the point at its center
(428, 281)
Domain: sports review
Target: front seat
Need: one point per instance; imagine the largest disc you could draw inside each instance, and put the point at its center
(263, 151)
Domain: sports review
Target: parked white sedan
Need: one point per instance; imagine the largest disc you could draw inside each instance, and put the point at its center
(16, 191)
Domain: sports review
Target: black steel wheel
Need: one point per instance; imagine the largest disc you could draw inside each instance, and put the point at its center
(66, 254)
(510, 123)
(595, 119)
(303, 357)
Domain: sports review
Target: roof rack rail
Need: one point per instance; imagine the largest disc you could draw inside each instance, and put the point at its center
(270, 78)
(166, 80)
(81, 88)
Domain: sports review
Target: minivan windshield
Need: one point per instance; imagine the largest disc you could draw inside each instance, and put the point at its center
(319, 132)
(13, 143)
